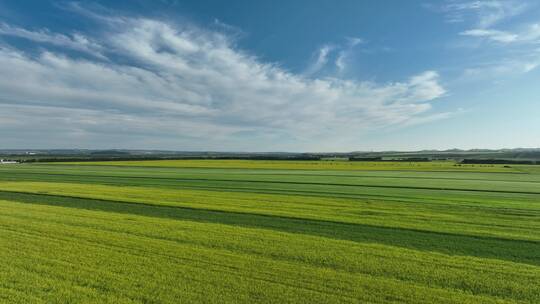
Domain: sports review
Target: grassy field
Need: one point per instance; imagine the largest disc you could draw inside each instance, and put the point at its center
(216, 231)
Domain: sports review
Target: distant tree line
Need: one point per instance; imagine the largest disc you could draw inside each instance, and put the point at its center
(380, 159)
(286, 157)
(500, 162)
(365, 158)
(134, 158)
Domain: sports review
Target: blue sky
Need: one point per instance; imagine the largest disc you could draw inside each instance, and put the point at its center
(257, 76)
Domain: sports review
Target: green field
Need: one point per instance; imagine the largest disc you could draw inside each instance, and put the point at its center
(213, 231)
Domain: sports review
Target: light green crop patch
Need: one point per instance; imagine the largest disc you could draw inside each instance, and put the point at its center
(309, 165)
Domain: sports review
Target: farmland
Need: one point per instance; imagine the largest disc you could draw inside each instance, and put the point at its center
(233, 231)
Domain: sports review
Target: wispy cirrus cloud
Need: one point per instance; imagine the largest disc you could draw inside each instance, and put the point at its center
(321, 59)
(510, 43)
(346, 51)
(495, 35)
(509, 65)
(527, 34)
(337, 54)
(190, 86)
(518, 50)
(485, 13)
(75, 41)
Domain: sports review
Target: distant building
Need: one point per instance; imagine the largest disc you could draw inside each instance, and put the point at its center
(3, 162)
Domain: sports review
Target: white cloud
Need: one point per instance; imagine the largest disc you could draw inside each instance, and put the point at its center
(354, 41)
(187, 86)
(504, 67)
(340, 61)
(75, 41)
(338, 54)
(531, 33)
(513, 45)
(426, 86)
(345, 53)
(528, 34)
(321, 59)
(499, 36)
(486, 12)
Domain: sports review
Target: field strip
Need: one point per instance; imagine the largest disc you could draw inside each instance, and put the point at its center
(524, 251)
(525, 202)
(249, 212)
(410, 177)
(67, 240)
(307, 166)
(203, 264)
(33, 197)
(276, 172)
(304, 183)
(291, 281)
(304, 169)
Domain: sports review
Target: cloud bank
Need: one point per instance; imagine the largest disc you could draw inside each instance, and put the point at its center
(152, 84)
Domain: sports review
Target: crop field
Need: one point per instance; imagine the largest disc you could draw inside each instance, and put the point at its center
(228, 231)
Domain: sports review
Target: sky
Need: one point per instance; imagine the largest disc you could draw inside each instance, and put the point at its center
(243, 75)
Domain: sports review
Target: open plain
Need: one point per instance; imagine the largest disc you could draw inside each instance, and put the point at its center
(232, 231)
